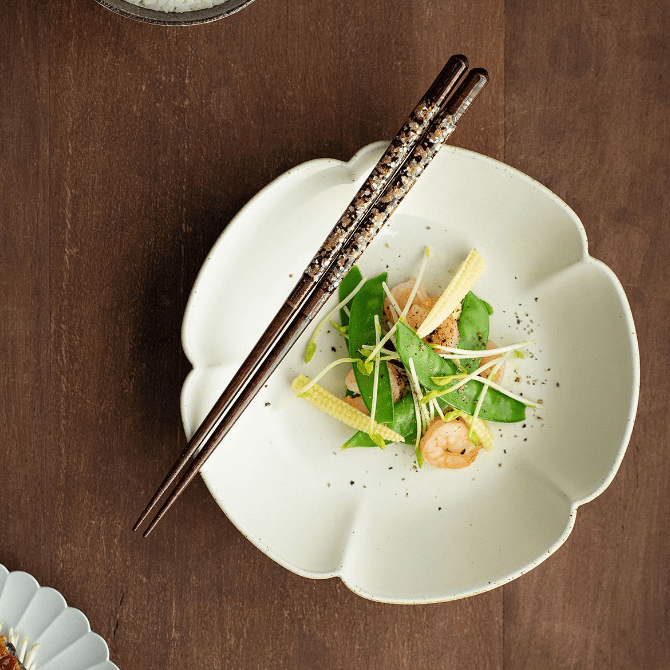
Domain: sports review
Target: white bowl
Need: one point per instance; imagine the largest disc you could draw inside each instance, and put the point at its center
(390, 532)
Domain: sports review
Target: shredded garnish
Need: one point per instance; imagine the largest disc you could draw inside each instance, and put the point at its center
(455, 354)
(436, 405)
(443, 381)
(375, 384)
(480, 399)
(395, 307)
(414, 383)
(327, 369)
(416, 395)
(311, 346)
(508, 393)
(461, 382)
(382, 342)
(417, 283)
(367, 348)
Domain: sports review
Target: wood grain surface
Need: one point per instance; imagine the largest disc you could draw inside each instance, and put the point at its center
(126, 149)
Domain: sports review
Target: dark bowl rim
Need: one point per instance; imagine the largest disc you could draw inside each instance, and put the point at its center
(195, 17)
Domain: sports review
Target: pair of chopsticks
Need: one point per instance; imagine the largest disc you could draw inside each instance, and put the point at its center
(428, 127)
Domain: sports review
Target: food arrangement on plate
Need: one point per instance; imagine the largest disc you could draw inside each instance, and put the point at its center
(423, 369)
(362, 514)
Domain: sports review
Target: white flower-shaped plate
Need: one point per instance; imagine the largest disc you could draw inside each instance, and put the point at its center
(391, 532)
(41, 614)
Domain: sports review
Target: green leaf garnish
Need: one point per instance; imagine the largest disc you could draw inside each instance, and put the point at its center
(311, 348)
(378, 440)
(431, 395)
(445, 381)
(342, 330)
(419, 456)
(364, 367)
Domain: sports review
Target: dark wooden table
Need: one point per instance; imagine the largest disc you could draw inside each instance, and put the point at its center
(126, 149)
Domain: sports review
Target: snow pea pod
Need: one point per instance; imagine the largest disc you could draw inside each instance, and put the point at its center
(404, 423)
(473, 328)
(367, 303)
(496, 406)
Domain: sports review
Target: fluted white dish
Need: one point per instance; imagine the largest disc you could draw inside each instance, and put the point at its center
(390, 532)
(41, 614)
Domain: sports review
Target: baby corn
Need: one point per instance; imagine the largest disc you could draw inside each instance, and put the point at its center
(481, 430)
(340, 410)
(464, 279)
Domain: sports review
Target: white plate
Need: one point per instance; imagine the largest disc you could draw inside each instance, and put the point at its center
(390, 532)
(42, 615)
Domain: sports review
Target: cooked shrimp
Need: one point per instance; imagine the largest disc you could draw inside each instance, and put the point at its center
(487, 359)
(446, 334)
(446, 445)
(401, 293)
(397, 382)
(416, 314)
(357, 403)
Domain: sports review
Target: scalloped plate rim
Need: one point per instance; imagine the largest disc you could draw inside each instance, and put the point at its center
(586, 258)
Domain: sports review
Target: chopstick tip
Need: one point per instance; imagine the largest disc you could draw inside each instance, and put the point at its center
(480, 72)
(447, 79)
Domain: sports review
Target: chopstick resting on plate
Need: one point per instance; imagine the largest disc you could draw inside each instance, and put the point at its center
(428, 127)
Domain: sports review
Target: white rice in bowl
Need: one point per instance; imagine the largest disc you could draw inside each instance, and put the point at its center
(176, 5)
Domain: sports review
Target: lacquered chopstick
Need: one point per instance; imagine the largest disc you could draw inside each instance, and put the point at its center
(388, 165)
(436, 135)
